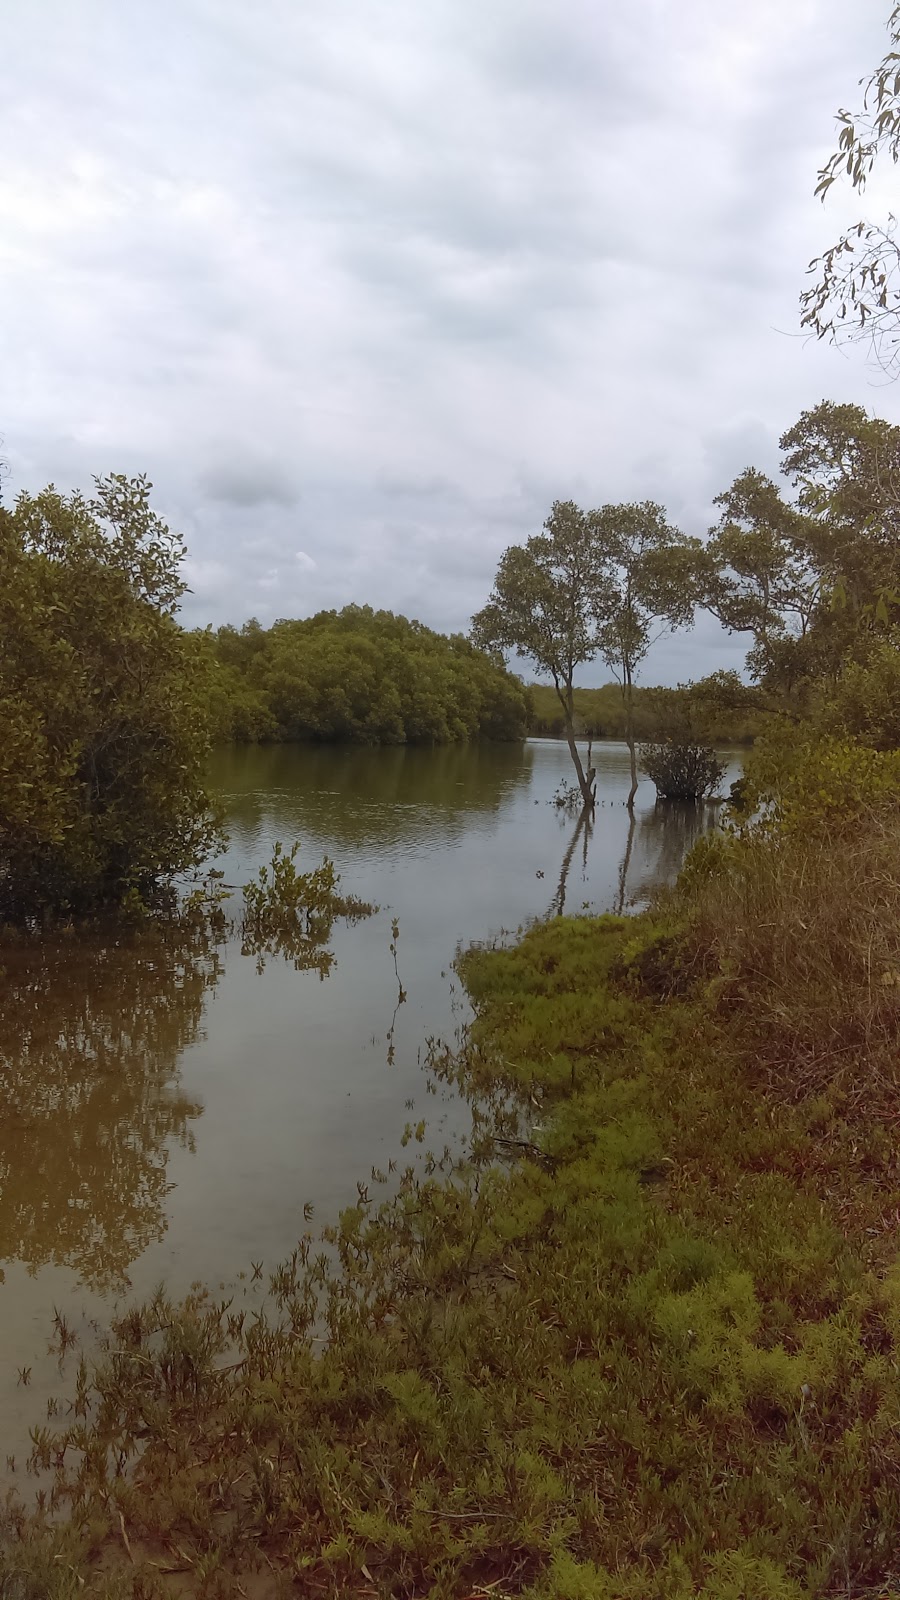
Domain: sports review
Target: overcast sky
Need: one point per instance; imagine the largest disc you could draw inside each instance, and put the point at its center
(365, 285)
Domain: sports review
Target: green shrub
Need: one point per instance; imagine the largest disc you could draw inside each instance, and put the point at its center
(682, 771)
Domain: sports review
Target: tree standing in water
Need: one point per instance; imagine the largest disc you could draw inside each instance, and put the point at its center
(651, 572)
(550, 601)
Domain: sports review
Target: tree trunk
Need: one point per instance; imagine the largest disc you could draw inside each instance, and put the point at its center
(629, 735)
(584, 783)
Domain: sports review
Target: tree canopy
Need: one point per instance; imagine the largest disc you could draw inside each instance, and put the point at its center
(813, 578)
(593, 583)
(651, 570)
(548, 603)
(358, 676)
(102, 714)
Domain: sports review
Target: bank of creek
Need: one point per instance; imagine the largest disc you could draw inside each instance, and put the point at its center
(169, 1112)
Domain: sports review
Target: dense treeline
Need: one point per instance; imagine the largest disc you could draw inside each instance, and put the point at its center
(358, 676)
(658, 714)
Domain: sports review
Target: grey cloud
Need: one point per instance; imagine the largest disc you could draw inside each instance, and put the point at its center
(245, 482)
(378, 282)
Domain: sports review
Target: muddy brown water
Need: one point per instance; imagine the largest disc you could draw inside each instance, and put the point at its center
(168, 1110)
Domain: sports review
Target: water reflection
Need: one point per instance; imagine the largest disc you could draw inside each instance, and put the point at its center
(90, 1041)
(356, 796)
(667, 831)
(93, 1034)
(583, 831)
(653, 849)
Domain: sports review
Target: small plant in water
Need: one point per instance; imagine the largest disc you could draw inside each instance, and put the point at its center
(567, 797)
(292, 913)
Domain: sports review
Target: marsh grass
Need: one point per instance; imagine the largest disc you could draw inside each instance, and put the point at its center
(649, 1359)
(801, 932)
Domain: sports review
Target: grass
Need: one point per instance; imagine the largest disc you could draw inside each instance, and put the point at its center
(643, 1346)
(803, 935)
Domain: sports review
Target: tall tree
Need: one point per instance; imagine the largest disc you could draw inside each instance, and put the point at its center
(845, 467)
(856, 289)
(550, 602)
(814, 579)
(651, 584)
(758, 572)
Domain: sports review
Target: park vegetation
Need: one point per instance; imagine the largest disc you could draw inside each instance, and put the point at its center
(108, 706)
(103, 715)
(700, 711)
(811, 578)
(592, 583)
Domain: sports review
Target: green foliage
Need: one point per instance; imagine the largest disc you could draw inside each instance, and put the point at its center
(359, 676)
(816, 786)
(682, 771)
(814, 580)
(548, 604)
(653, 583)
(864, 702)
(293, 913)
(759, 575)
(856, 292)
(710, 712)
(102, 717)
(594, 582)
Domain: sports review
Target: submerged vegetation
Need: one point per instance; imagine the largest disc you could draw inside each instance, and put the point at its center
(293, 913)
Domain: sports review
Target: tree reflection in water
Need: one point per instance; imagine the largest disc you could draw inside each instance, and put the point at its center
(666, 832)
(583, 831)
(90, 1038)
(653, 854)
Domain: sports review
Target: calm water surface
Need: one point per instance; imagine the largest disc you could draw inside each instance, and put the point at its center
(168, 1109)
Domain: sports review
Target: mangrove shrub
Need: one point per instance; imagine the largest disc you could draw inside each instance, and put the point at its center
(682, 771)
(102, 710)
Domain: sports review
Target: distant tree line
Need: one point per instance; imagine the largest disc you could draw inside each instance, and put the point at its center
(657, 714)
(355, 676)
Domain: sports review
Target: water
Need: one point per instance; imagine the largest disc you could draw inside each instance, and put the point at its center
(168, 1110)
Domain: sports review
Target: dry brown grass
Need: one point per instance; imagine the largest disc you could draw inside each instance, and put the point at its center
(802, 937)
